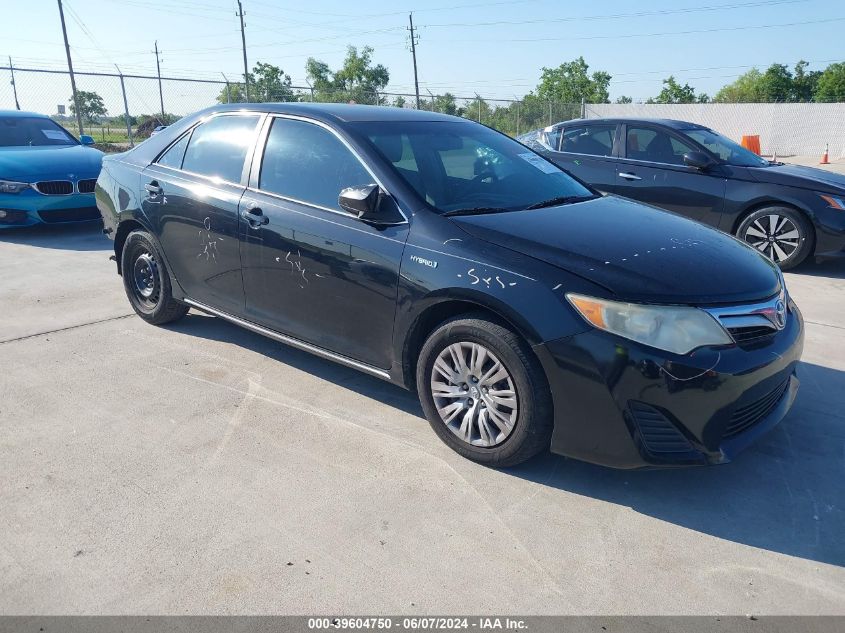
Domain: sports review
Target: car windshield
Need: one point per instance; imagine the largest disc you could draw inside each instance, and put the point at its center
(459, 167)
(729, 151)
(30, 131)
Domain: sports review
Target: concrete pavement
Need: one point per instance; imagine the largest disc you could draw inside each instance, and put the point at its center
(199, 468)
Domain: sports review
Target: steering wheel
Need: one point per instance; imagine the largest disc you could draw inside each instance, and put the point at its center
(488, 172)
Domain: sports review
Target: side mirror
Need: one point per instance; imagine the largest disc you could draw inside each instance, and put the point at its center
(86, 140)
(362, 202)
(699, 160)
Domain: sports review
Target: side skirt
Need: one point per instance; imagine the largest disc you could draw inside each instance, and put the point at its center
(293, 342)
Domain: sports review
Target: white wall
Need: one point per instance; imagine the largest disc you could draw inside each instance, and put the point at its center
(789, 129)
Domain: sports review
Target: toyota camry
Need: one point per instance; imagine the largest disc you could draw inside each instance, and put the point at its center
(526, 310)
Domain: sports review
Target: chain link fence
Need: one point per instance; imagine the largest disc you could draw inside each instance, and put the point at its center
(131, 106)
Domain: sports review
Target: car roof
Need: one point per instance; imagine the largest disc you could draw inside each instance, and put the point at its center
(339, 112)
(21, 113)
(671, 123)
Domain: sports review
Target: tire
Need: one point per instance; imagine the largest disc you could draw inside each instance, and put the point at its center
(777, 231)
(482, 421)
(147, 282)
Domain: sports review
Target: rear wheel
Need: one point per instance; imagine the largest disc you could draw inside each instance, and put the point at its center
(783, 234)
(147, 282)
(484, 392)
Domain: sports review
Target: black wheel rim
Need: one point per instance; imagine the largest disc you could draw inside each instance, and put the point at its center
(776, 236)
(145, 280)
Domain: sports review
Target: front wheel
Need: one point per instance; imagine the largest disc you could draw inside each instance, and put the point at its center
(147, 282)
(784, 235)
(484, 392)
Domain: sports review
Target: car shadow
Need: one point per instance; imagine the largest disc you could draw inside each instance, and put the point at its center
(785, 494)
(831, 268)
(212, 328)
(83, 236)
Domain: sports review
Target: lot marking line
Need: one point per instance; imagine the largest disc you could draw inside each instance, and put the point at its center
(64, 329)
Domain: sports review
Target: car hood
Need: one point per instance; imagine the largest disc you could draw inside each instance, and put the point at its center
(800, 176)
(637, 252)
(49, 162)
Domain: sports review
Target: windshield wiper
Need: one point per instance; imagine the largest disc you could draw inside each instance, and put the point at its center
(475, 211)
(560, 200)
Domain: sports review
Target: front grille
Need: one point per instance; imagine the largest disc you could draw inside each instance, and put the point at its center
(747, 336)
(55, 187)
(87, 185)
(70, 215)
(659, 435)
(747, 416)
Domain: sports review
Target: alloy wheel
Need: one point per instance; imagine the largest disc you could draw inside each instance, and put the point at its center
(474, 394)
(776, 236)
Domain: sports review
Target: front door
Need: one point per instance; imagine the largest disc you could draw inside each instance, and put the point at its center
(310, 269)
(652, 170)
(192, 195)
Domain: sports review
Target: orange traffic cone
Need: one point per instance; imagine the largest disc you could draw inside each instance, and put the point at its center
(825, 158)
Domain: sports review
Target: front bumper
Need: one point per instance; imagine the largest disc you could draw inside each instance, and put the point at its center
(625, 405)
(30, 207)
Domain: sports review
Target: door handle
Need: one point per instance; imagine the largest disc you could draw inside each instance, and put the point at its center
(153, 188)
(255, 217)
(627, 176)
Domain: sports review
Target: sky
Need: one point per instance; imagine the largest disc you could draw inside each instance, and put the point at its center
(496, 48)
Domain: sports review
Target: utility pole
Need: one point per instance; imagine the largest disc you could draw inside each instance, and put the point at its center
(414, 55)
(160, 94)
(14, 87)
(240, 14)
(70, 69)
(125, 108)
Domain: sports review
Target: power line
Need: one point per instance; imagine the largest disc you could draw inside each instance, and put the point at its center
(615, 16)
(633, 35)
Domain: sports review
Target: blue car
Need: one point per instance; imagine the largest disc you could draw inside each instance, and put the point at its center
(46, 174)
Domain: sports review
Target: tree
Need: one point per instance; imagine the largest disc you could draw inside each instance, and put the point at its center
(570, 83)
(673, 92)
(776, 84)
(357, 80)
(399, 102)
(746, 89)
(91, 105)
(624, 99)
(266, 83)
(446, 104)
(804, 83)
(831, 83)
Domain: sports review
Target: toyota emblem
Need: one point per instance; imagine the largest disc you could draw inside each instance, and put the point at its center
(780, 314)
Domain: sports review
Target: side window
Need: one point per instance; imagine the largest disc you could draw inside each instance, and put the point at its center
(173, 156)
(655, 146)
(306, 162)
(596, 140)
(218, 147)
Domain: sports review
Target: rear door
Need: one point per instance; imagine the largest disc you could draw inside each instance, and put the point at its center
(191, 195)
(586, 150)
(651, 169)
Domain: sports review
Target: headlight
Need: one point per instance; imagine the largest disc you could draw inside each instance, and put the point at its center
(11, 186)
(674, 329)
(836, 202)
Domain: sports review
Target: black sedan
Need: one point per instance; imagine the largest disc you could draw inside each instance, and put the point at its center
(787, 212)
(525, 309)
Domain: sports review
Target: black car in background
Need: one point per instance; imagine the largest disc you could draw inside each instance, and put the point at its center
(787, 212)
(525, 309)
